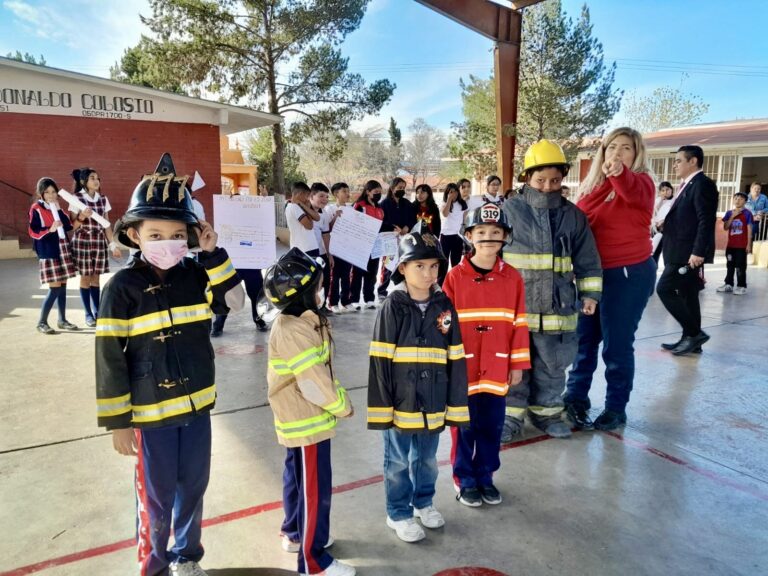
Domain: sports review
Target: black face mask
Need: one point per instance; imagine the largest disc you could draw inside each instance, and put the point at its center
(399, 194)
(376, 197)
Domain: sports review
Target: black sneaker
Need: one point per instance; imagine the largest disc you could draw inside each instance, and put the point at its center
(43, 328)
(67, 326)
(215, 333)
(579, 416)
(490, 494)
(261, 326)
(610, 420)
(470, 497)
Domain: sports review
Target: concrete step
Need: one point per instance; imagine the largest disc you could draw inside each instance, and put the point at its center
(10, 249)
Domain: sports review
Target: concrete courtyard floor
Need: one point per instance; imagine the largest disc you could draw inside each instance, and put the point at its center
(682, 490)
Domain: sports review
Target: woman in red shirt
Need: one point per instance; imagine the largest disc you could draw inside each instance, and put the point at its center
(617, 197)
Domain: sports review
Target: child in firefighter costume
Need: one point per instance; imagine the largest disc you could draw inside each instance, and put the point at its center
(417, 383)
(306, 400)
(155, 383)
(489, 297)
(554, 250)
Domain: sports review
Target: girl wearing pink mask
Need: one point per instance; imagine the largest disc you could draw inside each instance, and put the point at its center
(154, 363)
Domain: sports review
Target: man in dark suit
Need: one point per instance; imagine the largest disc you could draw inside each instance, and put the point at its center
(689, 242)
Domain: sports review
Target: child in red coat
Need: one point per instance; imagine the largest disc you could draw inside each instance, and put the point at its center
(489, 297)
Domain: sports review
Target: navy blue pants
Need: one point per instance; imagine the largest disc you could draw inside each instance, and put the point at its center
(341, 283)
(626, 291)
(254, 282)
(307, 486)
(172, 473)
(365, 279)
(475, 449)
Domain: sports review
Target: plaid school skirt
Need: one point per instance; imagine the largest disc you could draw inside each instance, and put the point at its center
(58, 269)
(90, 252)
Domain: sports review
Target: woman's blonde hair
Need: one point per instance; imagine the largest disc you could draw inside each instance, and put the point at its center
(595, 177)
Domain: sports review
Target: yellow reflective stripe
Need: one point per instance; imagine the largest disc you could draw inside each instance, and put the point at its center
(419, 354)
(415, 420)
(309, 358)
(529, 261)
(456, 352)
(174, 406)
(221, 273)
(113, 406)
(208, 293)
(546, 410)
(457, 413)
(515, 412)
(133, 326)
(147, 323)
(487, 314)
(189, 314)
(340, 405)
(305, 427)
(280, 367)
(380, 415)
(488, 386)
(562, 264)
(590, 284)
(381, 349)
(552, 322)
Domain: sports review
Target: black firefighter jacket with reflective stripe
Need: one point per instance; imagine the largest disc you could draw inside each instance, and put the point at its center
(553, 249)
(154, 359)
(417, 380)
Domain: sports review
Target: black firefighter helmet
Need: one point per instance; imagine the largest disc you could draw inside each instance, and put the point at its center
(159, 196)
(486, 214)
(293, 280)
(416, 246)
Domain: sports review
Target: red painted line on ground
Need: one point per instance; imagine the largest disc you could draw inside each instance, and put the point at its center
(688, 466)
(269, 506)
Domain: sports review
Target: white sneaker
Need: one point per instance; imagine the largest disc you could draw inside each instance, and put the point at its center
(289, 545)
(370, 305)
(429, 516)
(740, 290)
(338, 309)
(725, 288)
(336, 569)
(352, 308)
(407, 530)
(188, 568)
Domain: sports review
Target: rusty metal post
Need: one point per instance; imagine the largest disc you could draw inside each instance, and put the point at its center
(503, 25)
(507, 74)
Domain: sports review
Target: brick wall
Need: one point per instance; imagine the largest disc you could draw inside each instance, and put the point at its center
(121, 151)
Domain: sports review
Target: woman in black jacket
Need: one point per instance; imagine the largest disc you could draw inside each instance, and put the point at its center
(400, 217)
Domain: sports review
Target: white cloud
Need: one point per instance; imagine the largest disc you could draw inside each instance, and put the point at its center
(81, 35)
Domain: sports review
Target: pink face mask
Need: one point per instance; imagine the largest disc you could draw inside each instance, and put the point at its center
(164, 254)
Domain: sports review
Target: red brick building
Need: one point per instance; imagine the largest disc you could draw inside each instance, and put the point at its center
(52, 121)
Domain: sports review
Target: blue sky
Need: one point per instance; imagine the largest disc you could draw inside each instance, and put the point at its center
(721, 45)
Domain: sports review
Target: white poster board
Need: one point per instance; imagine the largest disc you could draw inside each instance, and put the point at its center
(385, 245)
(246, 229)
(353, 237)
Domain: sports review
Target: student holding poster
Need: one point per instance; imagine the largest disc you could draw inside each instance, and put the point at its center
(301, 218)
(340, 294)
(368, 203)
(318, 199)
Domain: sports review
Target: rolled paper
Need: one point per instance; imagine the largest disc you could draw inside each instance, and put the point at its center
(75, 202)
(60, 229)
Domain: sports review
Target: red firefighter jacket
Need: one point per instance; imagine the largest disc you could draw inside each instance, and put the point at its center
(491, 310)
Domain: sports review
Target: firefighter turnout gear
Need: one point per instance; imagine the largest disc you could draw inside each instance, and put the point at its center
(417, 380)
(554, 251)
(541, 154)
(303, 393)
(154, 360)
(491, 311)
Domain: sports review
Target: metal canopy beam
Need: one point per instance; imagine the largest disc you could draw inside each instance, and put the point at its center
(502, 25)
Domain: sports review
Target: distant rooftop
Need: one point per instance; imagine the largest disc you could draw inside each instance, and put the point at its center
(731, 132)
